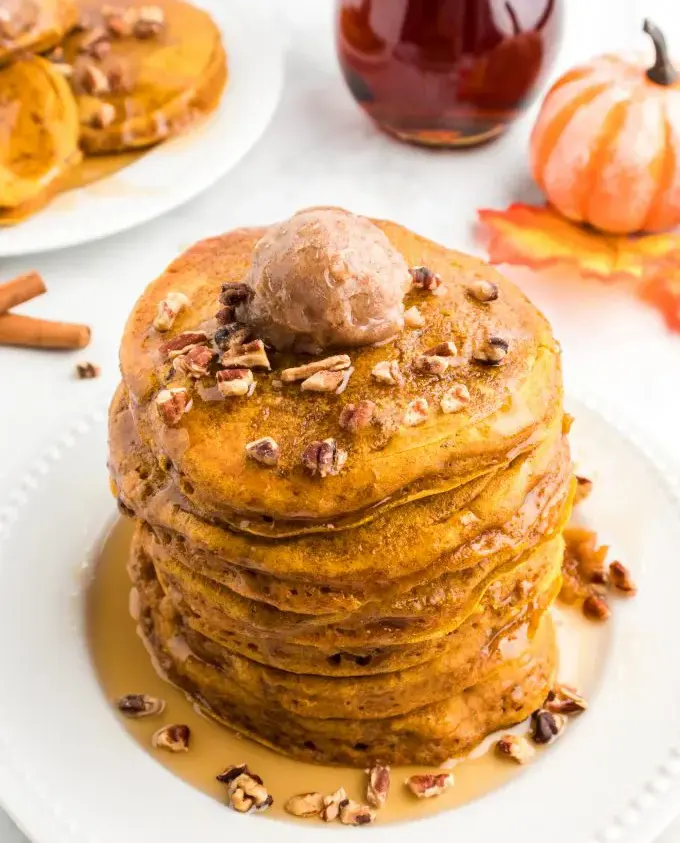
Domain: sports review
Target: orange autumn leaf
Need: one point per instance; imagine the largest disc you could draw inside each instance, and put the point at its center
(662, 290)
(539, 237)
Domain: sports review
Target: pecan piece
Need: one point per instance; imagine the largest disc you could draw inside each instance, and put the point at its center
(169, 309)
(328, 364)
(378, 785)
(416, 412)
(425, 278)
(516, 747)
(483, 291)
(429, 784)
(331, 805)
(173, 404)
(235, 293)
(596, 608)
(149, 22)
(95, 43)
(388, 371)
(265, 450)
(90, 79)
(139, 705)
(238, 382)
(565, 700)
(620, 578)
(102, 116)
(323, 382)
(304, 805)
(174, 738)
(354, 417)
(492, 353)
(430, 364)
(545, 726)
(352, 813)
(455, 398)
(232, 336)
(117, 21)
(87, 371)
(251, 355)
(245, 790)
(324, 458)
(195, 362)
(120, 76)
(413, 318)
(442, 349)
(226, 315)
(583, 488)
(182, 343)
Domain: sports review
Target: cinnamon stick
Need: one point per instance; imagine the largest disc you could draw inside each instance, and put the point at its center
(28, 332)
(20, 289)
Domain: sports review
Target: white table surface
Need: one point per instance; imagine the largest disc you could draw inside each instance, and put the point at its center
(320, 149)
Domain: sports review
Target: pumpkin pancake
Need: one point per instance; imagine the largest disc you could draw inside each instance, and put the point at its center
(344, 448)
(154, 82)
(38, 136)
(33, 26)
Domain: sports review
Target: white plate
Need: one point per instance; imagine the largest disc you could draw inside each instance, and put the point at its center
(69, 773)
(178, 170)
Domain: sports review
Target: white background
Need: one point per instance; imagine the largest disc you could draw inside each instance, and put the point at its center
(320, 149)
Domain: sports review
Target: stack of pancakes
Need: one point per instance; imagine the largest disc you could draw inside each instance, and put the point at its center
(82, 76)
(394, 609)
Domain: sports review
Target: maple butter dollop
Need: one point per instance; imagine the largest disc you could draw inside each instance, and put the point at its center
(326, 278)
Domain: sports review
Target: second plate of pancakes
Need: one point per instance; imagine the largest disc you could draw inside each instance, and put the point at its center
(134, 186)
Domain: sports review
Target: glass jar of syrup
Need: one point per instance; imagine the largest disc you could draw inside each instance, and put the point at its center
(446, 72)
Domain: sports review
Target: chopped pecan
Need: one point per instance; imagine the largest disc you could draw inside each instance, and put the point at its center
(442, 349)
(516, 747)
(251, 355)
(352, 813)
(455, 398)
(232, 336)
(429, 784)
(264, 450)
(324, 458)
(583, 488)
(584, 566)
(430, 364)
(596, 608)
(483, 290)
(620, 578)
(235, 382)
(173, 404)
(388, 371)
(226, 315)
(120, 76)
(182, 343)
(149, 22)
(416, 412)
(413, 318)
(565, 700)
(90, 79)
(117, 21)
(304, 805)
(492, 353)
(378, 786)
(245, 790)
(139, 705)
(169, 309)
(174, 738)
(425, 278)
(545, 726)
(195, 362)
(102, 116)
(354, 417)
(323, 382)
(331, 805)
(235, 293)
(87, 371)
(328, 364)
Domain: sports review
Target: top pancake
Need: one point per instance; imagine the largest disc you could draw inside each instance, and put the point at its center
(511, 408)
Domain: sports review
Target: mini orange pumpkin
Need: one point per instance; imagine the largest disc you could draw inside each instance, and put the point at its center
(606, 144)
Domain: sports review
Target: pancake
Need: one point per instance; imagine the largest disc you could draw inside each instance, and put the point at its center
(39, 129)
(33, 26)
(391, 603)
(174, 78)
(510, 409)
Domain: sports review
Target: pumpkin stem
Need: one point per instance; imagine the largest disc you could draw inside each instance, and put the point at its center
(662, 71)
